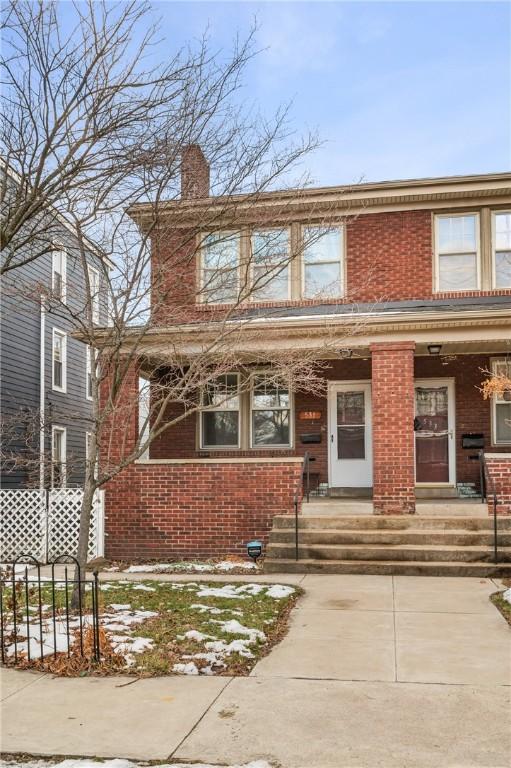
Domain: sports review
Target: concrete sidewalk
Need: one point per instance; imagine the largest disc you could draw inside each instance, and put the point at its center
(376, 671)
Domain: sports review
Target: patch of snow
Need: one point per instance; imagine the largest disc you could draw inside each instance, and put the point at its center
(144, 588)
(278, 591)
(235, 646)
(120, 606)
(507, 595)
(186, 669)
(194, 634)
(223, 566)
(215, 611)
(233, 627)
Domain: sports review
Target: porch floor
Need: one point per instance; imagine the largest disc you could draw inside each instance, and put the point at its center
(425, 507)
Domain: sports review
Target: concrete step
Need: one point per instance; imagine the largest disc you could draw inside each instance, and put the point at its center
(399, 552)
(388, 568)
(390, 522)
(450, 536)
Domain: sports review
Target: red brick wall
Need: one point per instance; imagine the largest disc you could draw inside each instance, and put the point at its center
(393, 437)
(499, 469)
(196, 509)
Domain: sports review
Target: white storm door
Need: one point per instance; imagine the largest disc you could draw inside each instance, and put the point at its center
(350, 447)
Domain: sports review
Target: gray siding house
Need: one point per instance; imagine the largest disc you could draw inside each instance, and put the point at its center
(45, 403)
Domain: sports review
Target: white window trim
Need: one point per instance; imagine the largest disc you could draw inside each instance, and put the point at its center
(58, 249)
(291, 410)
(255, 298)
(63, 431)
(63, 335)
(203, 410)
(342, 261)
(143, 427)
(493, 365)
(494, 250)
(94, 298)
(223, 233)
(436, 270)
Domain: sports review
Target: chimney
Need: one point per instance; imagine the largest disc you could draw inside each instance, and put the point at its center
(194, 173)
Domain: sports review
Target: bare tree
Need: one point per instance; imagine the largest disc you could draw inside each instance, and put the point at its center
(97, 136)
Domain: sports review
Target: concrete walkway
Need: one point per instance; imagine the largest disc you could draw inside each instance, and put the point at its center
(397, 672)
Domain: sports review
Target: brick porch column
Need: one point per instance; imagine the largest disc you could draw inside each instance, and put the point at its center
(393, 436)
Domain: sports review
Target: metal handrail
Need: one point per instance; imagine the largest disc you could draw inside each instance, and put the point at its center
(487, 484)
(298, 493)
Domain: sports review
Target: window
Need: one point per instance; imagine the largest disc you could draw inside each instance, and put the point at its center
(59, 274)
(94, 292)
(270, 264)
(502, 249)
(501, 407)
(58, 457)
(220, 255)
(322, 261)
(220, 423)
(59, 360)
(457, 252)
(271, 410)
(88, 375)
(144, 394)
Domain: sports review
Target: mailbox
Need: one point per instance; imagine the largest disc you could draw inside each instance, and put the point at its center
(311, 437)
(471, 440)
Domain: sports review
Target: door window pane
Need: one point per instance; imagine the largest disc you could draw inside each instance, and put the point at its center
(351, 425)
(431, 434)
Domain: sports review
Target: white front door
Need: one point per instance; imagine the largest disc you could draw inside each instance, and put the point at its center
(350, 449)
(435, 447)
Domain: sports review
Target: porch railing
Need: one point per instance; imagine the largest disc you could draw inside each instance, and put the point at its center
(488, 489)
(304, 475)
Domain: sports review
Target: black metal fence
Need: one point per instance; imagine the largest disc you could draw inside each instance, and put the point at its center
(46, 616)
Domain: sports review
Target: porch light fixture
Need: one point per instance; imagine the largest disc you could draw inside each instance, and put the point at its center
(254, 550)
(345, 352)
(434, 349)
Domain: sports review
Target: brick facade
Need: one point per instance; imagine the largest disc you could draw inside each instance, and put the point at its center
(393, 437)
(499, 470)
(197, 509)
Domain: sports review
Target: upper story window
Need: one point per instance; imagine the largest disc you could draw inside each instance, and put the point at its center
(322, 273)
(94, 292)
(501, 231)
(220, 260)
(270, 264)
(457, 252)
(220, 423)
(271, 412)
(59, 360)
(501, 406)
(59, 274)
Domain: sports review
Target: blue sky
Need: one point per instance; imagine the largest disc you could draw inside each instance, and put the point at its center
(396, 90)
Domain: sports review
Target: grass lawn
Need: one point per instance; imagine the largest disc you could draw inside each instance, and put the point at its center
(159, 628)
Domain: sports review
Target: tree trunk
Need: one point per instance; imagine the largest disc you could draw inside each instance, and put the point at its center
(83, 537)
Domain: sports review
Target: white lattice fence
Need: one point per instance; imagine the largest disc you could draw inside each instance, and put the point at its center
(45, 524)
(22, 523)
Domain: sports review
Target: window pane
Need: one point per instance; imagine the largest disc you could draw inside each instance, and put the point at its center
(458, 273)
(322, 280)
(503, 231)
(57, 373)
(222, 392)
(322, 244)
(457, 234)
(503, 422)
(220, 286)
(350, 408)
(269, 394)
(220, 251)
(220, 428)
(270, 246)
(351, 442)
(503, 269)
(270, 427)
(268, 287)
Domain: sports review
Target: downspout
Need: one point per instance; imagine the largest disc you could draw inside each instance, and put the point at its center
(42, 414)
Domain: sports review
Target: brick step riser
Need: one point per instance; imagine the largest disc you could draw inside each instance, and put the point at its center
(381, 568)
(276, 551)
(395, 523)
(446, 538)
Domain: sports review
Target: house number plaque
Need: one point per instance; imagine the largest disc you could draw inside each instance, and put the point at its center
(309, 415)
